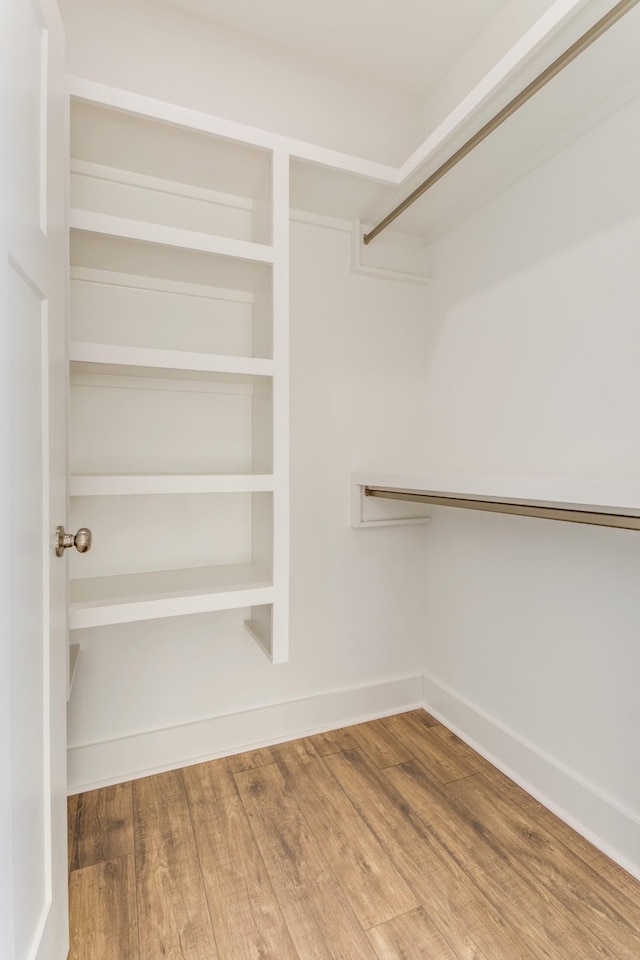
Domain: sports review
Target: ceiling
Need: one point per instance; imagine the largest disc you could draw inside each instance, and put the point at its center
(405, 45)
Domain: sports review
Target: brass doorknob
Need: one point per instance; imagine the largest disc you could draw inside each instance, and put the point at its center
(80, 540)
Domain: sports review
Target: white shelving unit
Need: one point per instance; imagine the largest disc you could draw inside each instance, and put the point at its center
(179, 374)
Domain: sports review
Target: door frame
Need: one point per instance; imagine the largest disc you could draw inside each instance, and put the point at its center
(37, 249)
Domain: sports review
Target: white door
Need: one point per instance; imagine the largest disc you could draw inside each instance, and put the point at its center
(33, 645)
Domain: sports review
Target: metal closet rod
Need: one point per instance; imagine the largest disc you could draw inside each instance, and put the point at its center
(540, 81)
(568, 515)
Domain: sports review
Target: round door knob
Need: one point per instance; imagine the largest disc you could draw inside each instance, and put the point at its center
(81, 540)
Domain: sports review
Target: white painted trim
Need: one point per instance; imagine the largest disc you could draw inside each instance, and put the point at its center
(130, 178)
(155, 233)
(400, 522)
(384, 273)
(264, 641)
(168, 360)
(158, 285)
(94, 765)
(320, 220)
(227, 129)
(74, 653)
(355, 229)
(596, 816)
(413, 513)
(110, 485)
(358, 253)
(279, 646)
(182, 381)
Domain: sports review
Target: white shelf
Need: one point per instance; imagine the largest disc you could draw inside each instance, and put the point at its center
(101, 601)
(592, 494)
(127, 146)
(107, 225)
(104, 485)
(141, 361)
(113, 259)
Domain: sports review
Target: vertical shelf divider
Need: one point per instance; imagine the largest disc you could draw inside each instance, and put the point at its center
(280, 312)
(281, 411)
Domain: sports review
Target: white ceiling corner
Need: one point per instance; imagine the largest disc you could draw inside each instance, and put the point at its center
(404, 45)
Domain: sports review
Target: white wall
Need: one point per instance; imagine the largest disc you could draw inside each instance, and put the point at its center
(533, 318)
(533, 368)
(357, 364)
(150, 49)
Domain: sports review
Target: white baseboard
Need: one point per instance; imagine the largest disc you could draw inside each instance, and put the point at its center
(139, 755)
(595, 816)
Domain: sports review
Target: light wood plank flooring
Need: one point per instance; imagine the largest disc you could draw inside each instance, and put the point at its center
(389, 840)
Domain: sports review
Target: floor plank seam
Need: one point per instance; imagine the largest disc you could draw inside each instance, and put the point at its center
(397, 862)
(469, 776)
(332, 872)
(398, 916)
(96, 863)
(265, 865)
(199, 861)
(135, 872)
(479, 892)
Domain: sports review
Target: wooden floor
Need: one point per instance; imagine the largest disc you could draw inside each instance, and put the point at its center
(390, 840)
